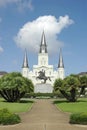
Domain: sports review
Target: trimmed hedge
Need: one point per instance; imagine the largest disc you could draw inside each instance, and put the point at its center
(78, 118)
(35, 95)
(8, 118)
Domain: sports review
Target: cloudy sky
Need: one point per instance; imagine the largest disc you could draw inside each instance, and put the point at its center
(64, 23)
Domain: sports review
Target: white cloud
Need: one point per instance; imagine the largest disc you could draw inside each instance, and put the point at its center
(21, 4)
(1, 49)
(29, 35)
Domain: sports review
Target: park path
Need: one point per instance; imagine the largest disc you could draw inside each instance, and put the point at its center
(44, 116)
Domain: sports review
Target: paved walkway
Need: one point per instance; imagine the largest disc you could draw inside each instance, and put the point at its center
(44, 116)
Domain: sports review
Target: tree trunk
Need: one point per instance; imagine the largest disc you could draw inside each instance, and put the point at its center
(3, 95)
(65, 94)
(82, 91)
(73, 95)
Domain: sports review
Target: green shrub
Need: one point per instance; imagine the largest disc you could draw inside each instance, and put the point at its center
(8, 118)
(78, 118)
(13, 86)
(50, 95)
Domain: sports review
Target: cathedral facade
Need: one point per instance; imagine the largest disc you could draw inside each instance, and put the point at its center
(43, 72)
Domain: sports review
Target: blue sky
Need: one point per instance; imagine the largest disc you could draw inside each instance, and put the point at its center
(17, 15)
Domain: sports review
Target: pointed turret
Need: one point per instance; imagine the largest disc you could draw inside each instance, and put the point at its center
(25, 67)
(25, 61)
(43, 54)
(43, 46)
(60, 64)
(61, 72)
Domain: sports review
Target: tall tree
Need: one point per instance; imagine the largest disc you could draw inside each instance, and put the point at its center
(68, 87)
(58, 84)
(71, 83)
(13, 86)
(83, 84)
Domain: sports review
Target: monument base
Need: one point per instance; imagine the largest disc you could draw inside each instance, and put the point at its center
(43, 88)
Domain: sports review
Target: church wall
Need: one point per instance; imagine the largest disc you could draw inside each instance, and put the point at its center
(32, 75)
(25, 72)
(43, 65)
(61, 73)
(43, 59)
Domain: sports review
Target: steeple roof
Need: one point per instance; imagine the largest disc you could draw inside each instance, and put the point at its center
(25, 61)
(43, 46)
(60, 64)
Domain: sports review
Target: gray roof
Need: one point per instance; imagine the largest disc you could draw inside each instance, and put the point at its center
(43, 46)
(60, 64)
(3, 72)
(25, 61)
(82, 73)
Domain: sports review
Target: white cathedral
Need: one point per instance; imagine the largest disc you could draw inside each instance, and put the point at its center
(43, 66)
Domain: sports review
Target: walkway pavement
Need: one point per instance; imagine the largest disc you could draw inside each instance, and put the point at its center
(44, 116)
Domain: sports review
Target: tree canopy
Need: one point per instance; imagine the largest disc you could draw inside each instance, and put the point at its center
(71, 86)
(83, 84)
(13, 86)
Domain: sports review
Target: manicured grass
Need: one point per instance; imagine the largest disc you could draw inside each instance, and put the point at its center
(22, 106)
(77, 107)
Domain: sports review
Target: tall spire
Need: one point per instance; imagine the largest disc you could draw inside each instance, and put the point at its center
(25, 61)
(60, 64)
(43, 46)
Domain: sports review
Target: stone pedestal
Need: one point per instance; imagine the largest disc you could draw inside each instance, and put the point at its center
(43, 88)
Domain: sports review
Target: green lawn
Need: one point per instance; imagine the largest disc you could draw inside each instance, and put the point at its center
(23, 106)
(79, 106)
